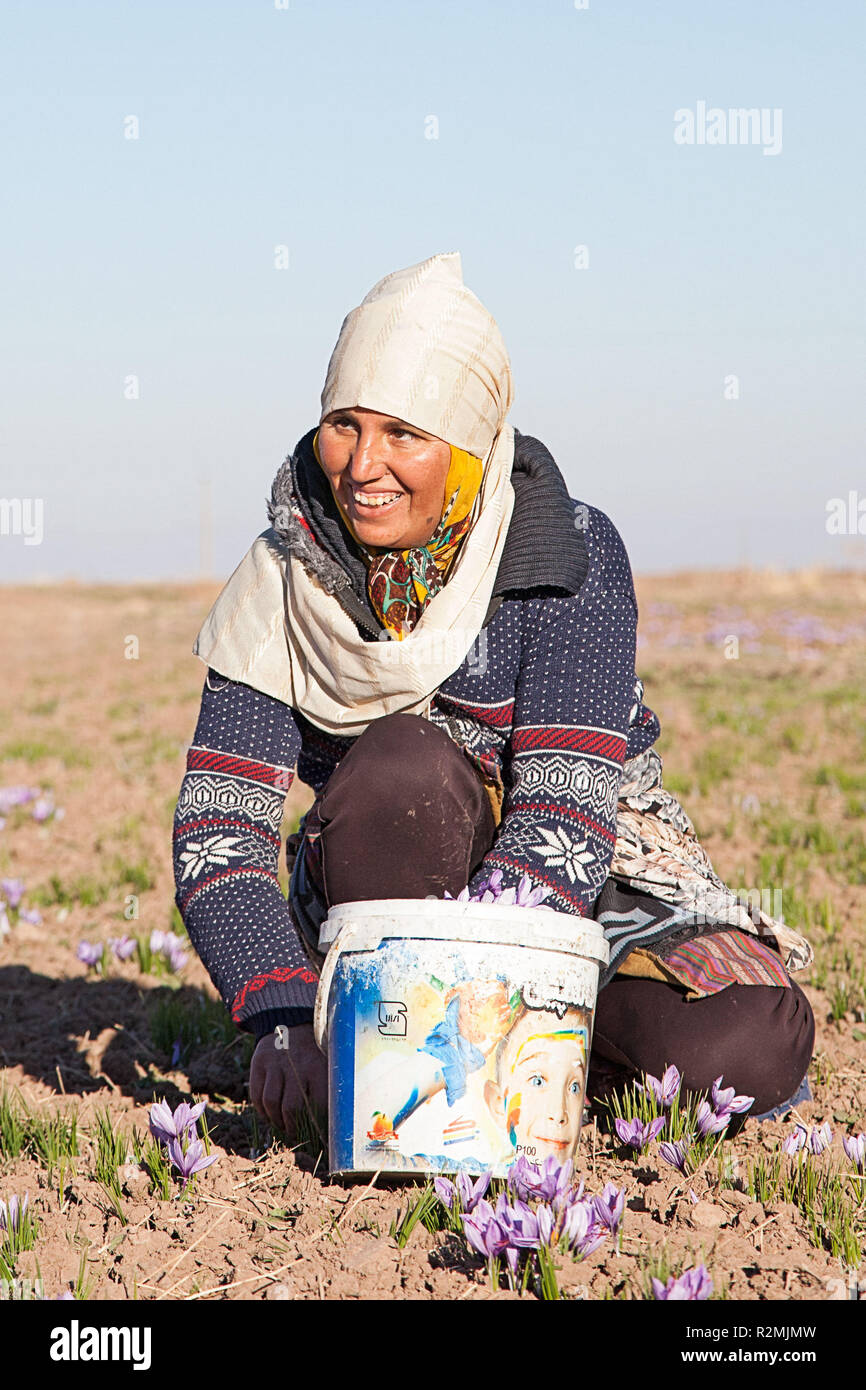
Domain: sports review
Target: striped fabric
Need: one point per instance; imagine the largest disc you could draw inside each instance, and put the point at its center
(731, 957)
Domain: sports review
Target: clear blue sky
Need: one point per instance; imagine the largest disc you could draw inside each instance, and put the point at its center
(305, 126)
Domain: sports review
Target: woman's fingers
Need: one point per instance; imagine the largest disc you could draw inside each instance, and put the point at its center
(272, 1096)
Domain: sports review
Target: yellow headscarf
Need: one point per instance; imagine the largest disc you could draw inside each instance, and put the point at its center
(400, 582)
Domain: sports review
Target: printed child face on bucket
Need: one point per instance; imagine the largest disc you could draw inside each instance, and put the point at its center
(537, 1096)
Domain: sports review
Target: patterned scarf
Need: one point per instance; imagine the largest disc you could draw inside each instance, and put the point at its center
(400, 582)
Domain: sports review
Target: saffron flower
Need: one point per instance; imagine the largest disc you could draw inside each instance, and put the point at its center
(728, 1102)
(177, 959)
(693, 1285)
(855, 1149)
(15, 796)
(12, 890)
(547, 1181)
(31, 915)
(820, 1139)
(190, 1161)
(794, 1142)
(666, 1090)
(709, 1122)
(122, 946)
(89, 953)
(609, 1207)
(43, 807)
(11, 1215)
(490, 890)
(581, 1227)
(638, 1135)
(675, 1154)
(166, 1126)
(463, 1195)
(483, 1231)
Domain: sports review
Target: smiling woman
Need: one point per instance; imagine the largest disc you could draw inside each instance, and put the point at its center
(406, 499)
(503, 730)
(369, 458)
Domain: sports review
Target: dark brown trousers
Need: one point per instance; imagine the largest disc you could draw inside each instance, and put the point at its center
(405, 815)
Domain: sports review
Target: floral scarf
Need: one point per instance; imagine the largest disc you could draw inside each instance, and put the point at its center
(400, 582)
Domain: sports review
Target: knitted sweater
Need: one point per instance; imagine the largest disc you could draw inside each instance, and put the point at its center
(546, 703)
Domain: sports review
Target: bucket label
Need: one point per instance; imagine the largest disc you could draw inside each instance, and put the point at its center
(461, 1056)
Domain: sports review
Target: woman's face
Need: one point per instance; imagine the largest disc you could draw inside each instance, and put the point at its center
(375, 455)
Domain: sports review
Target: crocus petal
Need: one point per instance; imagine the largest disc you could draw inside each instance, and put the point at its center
(445, 1191)
(628, 1130)
(671, 1082)
(855, 1149)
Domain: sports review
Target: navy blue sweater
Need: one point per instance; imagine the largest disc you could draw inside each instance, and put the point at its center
(547, 701)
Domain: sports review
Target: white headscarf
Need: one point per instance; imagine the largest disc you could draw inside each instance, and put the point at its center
(422, 348)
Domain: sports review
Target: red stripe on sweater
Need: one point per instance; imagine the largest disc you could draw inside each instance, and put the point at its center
(596, 742)
(499, 716)
(278, 976)
(208, 760)
(252, 827)
(251, 871)
(563, 812)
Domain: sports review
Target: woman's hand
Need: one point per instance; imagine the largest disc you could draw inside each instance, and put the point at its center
(284, 1080)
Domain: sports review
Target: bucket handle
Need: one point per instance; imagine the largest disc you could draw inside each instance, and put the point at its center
(320, 1008)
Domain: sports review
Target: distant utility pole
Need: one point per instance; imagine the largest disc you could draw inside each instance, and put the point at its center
(205, 530)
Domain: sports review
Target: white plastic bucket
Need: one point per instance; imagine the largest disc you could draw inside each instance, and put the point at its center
(457, 1034)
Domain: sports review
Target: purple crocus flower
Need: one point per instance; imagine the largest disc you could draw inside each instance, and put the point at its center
(709, 1122)
(638, 1135)
(675, 1154)
(11, 1215)
(483, 1231)
(581, 1229)
(794, 1142)
(728, 1102)
(521, 1224)
(165, 1126)
(157, 941)
(194, 1160)
(666, 1090)
(177, 959)
(43, 807)
(548, 1181)
(855, 1149)
(12, 890)
(692, 1285)
(609, 1207)
(123, 946)
(31, 915)
(471, 1192)
(821, 1139)
(89, 953)
(464, 1195)
(15, 796)
(445, 1191)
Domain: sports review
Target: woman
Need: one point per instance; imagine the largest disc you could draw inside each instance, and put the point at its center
(441, 643)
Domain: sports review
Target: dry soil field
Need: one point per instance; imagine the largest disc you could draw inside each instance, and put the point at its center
(767, 751)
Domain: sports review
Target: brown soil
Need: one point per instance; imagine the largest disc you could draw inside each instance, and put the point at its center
(106, 735)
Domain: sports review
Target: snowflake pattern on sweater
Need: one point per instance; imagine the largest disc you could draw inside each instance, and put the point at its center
(547, 702)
